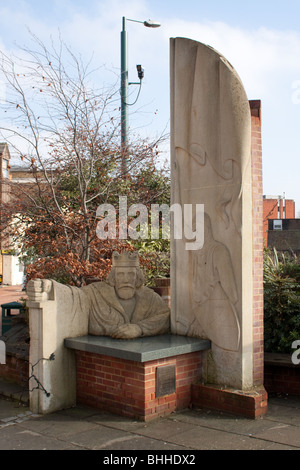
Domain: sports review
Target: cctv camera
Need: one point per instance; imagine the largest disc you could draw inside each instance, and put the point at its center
(140, 72)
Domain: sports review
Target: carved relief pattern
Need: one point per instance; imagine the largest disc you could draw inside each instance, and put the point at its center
(211, 150)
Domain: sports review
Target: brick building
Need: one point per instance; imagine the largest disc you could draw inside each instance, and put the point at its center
(276, 207)
(284, 235)
(4, 172)
(11, 268)
(4, 189)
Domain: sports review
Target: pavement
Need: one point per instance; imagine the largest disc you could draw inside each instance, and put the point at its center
(183, 433)
(11, 294)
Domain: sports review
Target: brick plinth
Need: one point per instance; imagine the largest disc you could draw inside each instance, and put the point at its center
(128, 388)
(250, 404)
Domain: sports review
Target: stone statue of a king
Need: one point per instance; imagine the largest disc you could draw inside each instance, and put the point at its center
(120, 307)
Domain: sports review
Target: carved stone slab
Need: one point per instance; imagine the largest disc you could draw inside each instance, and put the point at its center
(211, 288)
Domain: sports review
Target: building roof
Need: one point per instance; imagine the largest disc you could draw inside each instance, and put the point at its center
(23, 168)
(4, 150)
(273, 197)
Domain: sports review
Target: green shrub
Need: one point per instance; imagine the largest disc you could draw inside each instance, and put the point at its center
(154, 259)
(281, 302)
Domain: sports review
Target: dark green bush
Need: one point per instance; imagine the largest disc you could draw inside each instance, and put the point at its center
(281, 302)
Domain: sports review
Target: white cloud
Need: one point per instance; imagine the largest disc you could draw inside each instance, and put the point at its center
(266, 60)
(257, 55)
(268, 63)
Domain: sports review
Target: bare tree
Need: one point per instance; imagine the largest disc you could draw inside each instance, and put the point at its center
(68, 136)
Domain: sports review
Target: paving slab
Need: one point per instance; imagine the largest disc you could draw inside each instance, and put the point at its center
(222, 422)
(59, 426)
(287, 414)
(99, 437)
(203, 438)
(164, 429)
(141, 443)
(106, 419)
(283, 434)
(10, 408)
(15, 437)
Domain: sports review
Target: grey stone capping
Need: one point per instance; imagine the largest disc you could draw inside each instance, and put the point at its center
(140, 349)
(278, 359)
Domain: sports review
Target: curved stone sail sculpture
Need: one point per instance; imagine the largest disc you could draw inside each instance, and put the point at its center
(211, 287)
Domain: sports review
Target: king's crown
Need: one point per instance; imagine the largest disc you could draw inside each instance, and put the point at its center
(126, 259)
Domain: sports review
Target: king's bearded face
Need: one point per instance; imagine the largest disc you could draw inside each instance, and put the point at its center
(125, 282)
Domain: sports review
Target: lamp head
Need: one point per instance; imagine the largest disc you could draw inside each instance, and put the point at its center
(152, 24)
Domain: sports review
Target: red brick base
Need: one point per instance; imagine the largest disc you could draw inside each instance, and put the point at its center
(249, 404)
(128, 388)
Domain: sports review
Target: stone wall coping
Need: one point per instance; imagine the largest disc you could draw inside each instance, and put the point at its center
(139, 349)
(279, 359)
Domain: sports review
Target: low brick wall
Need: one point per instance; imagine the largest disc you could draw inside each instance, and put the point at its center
(250, 404)
(281, 375)
(128, 388)
(15, 370)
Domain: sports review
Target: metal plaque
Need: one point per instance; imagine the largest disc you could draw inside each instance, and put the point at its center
(165, 380)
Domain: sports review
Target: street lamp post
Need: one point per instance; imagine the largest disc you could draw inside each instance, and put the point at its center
(124, 86)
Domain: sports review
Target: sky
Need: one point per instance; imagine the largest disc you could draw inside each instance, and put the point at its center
(261, 39)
